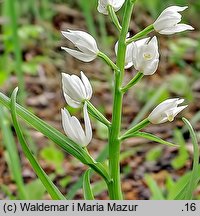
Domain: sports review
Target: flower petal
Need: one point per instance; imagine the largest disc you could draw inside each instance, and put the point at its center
(84, 41)
(79, 55)
(71, 102)
(70, 87)
(175, 29)
(151, 67)
(67, 125)
(78, 131)
(87, 85)
(88, 128)
(78, 84)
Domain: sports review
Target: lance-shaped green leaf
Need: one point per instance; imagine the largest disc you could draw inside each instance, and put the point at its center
(87, 190)
(157, 193)
(152, 138)
(178, 192)
(49, 185)
(13, 156)
(56, 136)
(194, 178)
(76, 186)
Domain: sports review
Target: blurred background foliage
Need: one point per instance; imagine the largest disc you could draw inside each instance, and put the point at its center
(30, 57)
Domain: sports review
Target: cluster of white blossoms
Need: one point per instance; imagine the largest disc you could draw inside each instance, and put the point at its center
(142, 54)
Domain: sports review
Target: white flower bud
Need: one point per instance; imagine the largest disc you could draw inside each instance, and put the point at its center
(166, 111)
(76, 90)
(167, 22)
(73, 128)
(145, 56)
(84, 42)
(103, 4)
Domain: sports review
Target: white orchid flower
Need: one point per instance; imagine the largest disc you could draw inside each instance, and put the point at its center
(84, 42)
(103, 4)
(145, 55)
(76, 90)
(168, 21)
(166, 111)
(73, 128)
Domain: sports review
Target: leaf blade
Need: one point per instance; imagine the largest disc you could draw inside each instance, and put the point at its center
(49, 185)
(154, 138)
(194, 174)
(87, 190)
(10, 146)
(57, 137)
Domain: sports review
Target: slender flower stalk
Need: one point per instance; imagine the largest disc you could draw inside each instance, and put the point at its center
(76, 90)
(84, 42)
(135, 80)
(108, 61)
(135, 128)
(98, 115)
(168, 21)
(73, 128)
(141, 34)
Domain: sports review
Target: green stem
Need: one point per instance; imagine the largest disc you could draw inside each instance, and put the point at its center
(135, 79)
(96, 114)
(113, 17)
(108, 61)
(136, 128)
(141, 34)
(114, 132)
